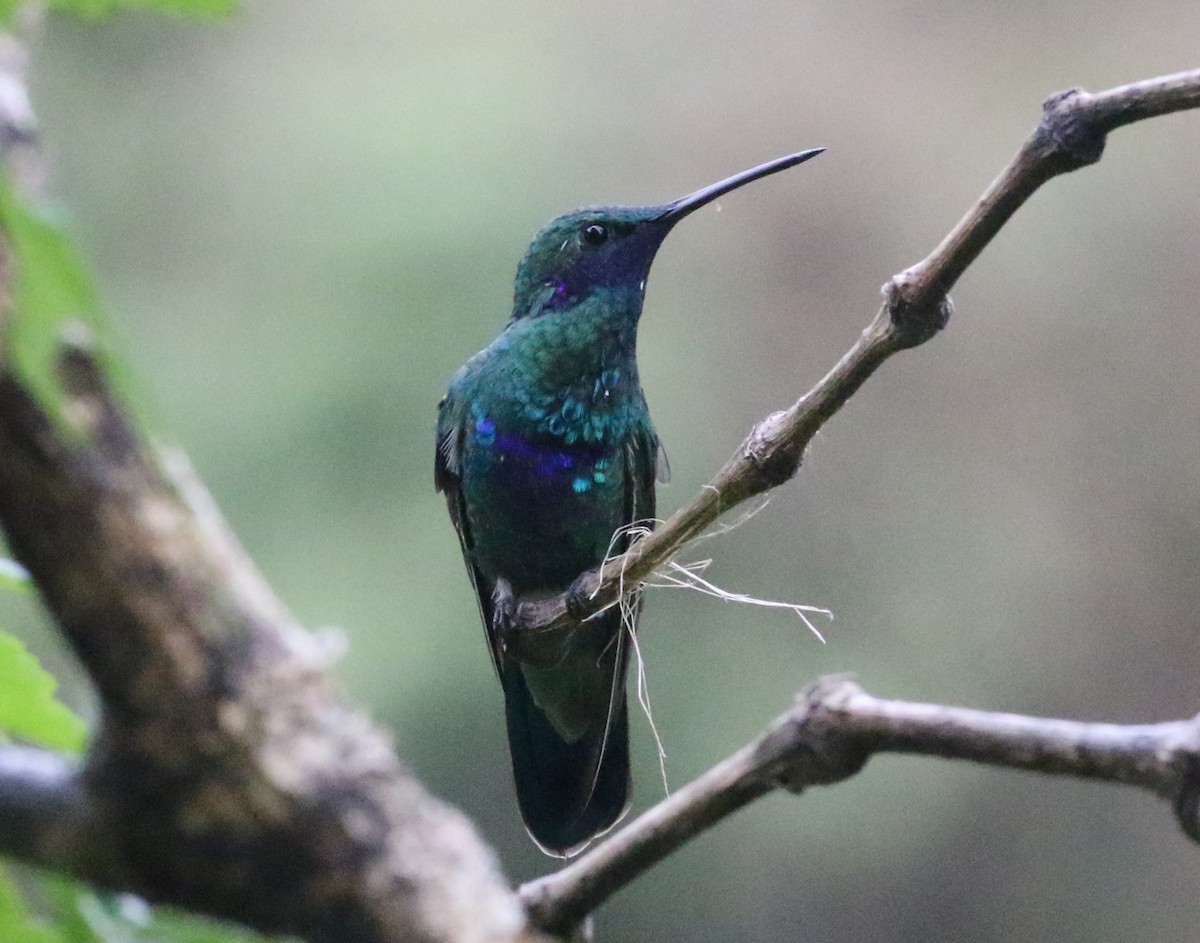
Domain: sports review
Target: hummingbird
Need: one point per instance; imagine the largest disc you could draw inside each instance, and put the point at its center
(547, 456)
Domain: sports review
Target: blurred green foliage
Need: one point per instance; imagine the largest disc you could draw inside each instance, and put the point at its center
(16, 923)
(52, 289)
(94, 9)
(302, 219)
(71, 913)
(28, 708)
(13, 576)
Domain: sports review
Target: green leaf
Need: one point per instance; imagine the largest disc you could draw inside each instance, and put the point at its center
(95, 9)
(13, 576)
(16, 925)
(52, 293)
(103, 916)
(28, 708)
(51, 288)
(124, 918)
(166, 927)
(64, 895)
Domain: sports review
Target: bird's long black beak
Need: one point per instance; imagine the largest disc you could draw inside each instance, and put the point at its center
(674, 212)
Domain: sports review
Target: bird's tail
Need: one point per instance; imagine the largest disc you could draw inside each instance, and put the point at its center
(568, 790)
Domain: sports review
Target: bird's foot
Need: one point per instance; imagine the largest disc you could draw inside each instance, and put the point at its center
(579, 595)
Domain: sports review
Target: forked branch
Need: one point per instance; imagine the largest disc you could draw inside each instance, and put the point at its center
(916, 305)
(828, 736)
(836, 726)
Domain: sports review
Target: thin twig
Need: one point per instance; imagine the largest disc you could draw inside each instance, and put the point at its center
(828, 736)
(916, 306)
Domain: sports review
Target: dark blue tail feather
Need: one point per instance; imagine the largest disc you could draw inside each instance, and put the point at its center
(567, 792)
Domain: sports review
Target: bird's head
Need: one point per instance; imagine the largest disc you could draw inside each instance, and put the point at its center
(611, 247)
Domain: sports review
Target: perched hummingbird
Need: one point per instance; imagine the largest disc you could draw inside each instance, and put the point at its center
(545, 452)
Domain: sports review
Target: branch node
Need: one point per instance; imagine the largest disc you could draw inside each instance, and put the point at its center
(807, 747)
(90, 405)
(917, 309)
(768, 449)
(829, 692)
(1069, 133)
(77, 368)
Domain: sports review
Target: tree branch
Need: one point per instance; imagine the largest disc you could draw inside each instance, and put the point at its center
(829, 735)
(916, 306)
(837, 726)
(45, 814)
(228, 777)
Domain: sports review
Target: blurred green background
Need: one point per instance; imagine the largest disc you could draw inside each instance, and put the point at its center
(304, 218)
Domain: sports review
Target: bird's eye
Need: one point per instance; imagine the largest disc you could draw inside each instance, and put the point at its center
(595, 234)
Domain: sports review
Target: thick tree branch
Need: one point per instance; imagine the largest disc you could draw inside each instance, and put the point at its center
(916, 306)
(828, 736)
(227, 776)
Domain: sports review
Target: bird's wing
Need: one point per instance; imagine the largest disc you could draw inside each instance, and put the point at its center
(642, 466)
(645, 461)
(447, 478)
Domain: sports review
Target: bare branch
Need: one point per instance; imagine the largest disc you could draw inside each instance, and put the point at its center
(829, 735)
(916, 306)
(1072, 134)
(45, 815)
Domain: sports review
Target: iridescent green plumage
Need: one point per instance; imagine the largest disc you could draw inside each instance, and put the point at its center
(546, 452)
